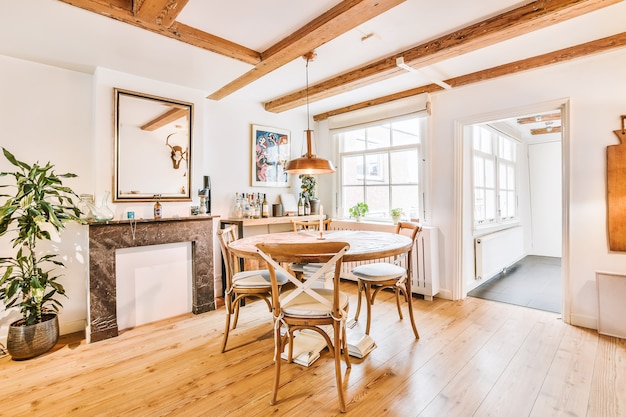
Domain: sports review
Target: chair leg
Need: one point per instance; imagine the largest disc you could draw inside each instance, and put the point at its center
(337, 350)
(344, 347)
(358, 305)
(410, 301)
(236, 305)
(227, 326)
(278, 346)
(397, 290)
(368, 300)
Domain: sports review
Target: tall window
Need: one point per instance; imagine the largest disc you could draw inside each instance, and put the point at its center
(495, 177)
(379, 165)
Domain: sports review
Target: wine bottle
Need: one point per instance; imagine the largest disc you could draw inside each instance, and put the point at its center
(265, 207)
(300, 206)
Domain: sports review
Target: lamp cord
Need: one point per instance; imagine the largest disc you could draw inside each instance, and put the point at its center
(307, 95)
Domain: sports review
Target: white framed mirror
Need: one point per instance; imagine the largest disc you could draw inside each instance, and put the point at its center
(152, 148)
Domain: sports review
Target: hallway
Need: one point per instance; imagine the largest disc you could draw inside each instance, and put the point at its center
(533, 282)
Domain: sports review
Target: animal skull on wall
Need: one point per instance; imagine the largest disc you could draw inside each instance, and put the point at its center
(177, 153)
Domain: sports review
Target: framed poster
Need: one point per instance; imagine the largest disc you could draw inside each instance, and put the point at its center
(271, 150)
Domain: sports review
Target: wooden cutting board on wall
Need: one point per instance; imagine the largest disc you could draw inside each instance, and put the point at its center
(616, 191)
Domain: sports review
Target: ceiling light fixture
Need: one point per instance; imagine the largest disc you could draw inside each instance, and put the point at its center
(309, 163)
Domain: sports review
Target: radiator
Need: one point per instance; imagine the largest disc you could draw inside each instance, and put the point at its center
(425, 279)
(497, 251)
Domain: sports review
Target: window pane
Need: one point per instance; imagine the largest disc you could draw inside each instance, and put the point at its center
(479, 172)
(403, 167)
(511, 177)
(406, 197)
(352, 141)
(479, 206)
(490, 173)
(351, 196)
(490, 205)
(405, 132)
(376, 169)
(378, 201)
(352, 170)
(378, 137)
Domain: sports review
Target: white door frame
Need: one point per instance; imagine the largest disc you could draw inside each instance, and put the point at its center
(463, 219)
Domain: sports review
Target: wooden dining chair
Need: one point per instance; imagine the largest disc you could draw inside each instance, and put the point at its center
(306, 307)
(374, 277)
(242, 284)
(299, 225)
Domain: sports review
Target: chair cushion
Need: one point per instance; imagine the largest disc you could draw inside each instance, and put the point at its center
(379, 271)
(257, 278)
(306, 306)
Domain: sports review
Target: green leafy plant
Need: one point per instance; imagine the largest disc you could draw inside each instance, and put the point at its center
(307, 185)
(396, 212)
(40, 203)
(359, 210)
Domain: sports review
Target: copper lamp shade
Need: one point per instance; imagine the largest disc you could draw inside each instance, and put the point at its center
(309, 164)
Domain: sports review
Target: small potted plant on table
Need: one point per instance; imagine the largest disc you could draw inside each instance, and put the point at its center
(40, 204)
(396, 213)
(358, 210)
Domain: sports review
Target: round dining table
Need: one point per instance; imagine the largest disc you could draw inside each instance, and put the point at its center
(364, 244)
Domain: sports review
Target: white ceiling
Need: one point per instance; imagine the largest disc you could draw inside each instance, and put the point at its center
(55, 33)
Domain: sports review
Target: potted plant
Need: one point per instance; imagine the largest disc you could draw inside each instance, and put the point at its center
(396, 213)
(358, 210)
(39, 205)
(308, 184)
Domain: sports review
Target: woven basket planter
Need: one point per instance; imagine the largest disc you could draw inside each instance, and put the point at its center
(25, 342)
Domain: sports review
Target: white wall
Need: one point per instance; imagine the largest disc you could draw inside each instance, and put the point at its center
(66, 117)
(45, 114)
(544, 160)
(595, 87)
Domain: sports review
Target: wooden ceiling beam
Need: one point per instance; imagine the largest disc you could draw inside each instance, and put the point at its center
(336, 21)
(539, 118)
(122, 10)
(536, 15)
(166, 118)
(545, 130)
(562, 55)
(160, 12)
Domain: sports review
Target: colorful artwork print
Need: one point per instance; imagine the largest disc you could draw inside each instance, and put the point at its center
(271, 152)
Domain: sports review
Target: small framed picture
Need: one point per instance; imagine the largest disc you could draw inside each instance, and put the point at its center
(271, 150)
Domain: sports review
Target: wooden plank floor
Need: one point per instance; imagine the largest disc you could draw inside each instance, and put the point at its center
(474, 358)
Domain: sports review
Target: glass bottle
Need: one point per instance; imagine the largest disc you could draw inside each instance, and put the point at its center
(307, 206)
(246, 206)
(300, 206)
(265, 207)
(87, 207)
(157, 207)
(104, 213)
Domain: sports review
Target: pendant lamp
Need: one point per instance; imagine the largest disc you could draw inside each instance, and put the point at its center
(309, 163)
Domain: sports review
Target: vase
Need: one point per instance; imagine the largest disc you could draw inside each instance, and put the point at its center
(103, 212)
(395, 219)
(315, 206)
(25, 342)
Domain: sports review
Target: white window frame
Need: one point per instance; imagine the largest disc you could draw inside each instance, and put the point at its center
(500, 186)
(417, 212)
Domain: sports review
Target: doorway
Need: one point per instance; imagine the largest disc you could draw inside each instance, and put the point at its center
(536, 278)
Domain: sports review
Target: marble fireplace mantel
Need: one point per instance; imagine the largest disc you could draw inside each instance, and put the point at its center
(106, 238)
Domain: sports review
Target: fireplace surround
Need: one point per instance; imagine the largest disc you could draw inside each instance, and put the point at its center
(107, 237)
